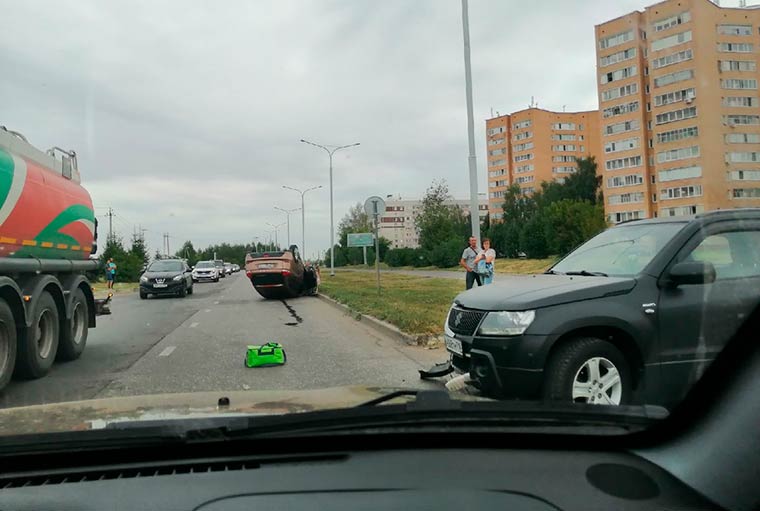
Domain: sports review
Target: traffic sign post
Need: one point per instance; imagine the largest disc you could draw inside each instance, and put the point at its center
(373, 207)
(360, 239)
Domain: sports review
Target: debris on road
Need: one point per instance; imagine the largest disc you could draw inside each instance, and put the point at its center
(268, 355)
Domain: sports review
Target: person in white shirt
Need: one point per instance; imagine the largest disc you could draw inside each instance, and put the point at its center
(484, 262)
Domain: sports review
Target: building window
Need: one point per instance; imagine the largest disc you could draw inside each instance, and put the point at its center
(523, 157)
(563, 126)
(744, 157)
(527, 190)
(681, 153)
(522, 147)
(671, 21)
(734, 120)
(495, 163)
(671, 40)
(743, 138)
(681, 192)
(496, 195)
(616, 39)
(623, 163)
(564, 147)
(497, 173)
(497, 130)
(737, 83)
(673, 58)
(678, 76)
(679, 134)
(612, 76)
(738, 65)
(626, 198)
(524, 179)
(652, 178)
(523, 135)
(625, 216)
(563, 159)
(680, 173)
(735, 29)
(564, 136)
(654, 197)
(619, 92)
(738, 102)
(746, 193)
(676, 115)
(628, 180)
(522, 124)
(564, 170)
(497, 152)
(617, 57)
(744, 175)
(675, 96)
(622, 109)
(621, 127)
(496, 141)
(683, 210)
(524, 168)
(621, 145)
(736, 47)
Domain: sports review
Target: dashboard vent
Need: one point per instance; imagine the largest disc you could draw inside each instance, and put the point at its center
(154, 470)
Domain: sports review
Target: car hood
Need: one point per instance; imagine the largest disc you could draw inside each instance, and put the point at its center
(161, 274)
(99, 413)
(536, 291)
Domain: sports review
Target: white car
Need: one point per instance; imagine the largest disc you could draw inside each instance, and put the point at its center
(205, 270)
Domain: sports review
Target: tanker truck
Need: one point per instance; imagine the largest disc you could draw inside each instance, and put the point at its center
(48, 234)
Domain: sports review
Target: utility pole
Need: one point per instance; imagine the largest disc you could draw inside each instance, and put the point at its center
(474, 211)
(110, 224)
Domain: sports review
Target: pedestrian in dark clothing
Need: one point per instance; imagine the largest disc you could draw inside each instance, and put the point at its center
(468, 263)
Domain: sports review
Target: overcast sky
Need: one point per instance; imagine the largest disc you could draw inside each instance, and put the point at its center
(187, 115)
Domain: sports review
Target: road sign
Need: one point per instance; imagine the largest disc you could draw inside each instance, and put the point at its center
(374, 206)
(361, 239)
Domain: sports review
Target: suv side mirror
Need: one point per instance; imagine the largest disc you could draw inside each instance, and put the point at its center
(691, 272)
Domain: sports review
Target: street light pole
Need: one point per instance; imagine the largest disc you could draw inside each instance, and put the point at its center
(287, 216)
(474, 208)
(276, 227)
(330, 153)
(303, 213)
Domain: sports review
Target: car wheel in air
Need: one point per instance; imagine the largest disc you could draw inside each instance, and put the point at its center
(73, 337)
(588, 370)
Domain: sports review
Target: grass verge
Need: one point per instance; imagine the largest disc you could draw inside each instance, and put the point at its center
(416, 305)
(523, 266)
(101, 288)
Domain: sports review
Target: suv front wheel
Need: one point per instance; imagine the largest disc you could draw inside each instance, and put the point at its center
(588, 370)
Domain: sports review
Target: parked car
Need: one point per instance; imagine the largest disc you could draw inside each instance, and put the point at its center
(228, 268)
(633, 315)
(166, 277)
(205, 270)
(235, 268)
(281, 274)
(220, 268)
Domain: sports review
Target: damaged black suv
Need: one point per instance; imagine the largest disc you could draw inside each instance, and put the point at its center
(634, 315)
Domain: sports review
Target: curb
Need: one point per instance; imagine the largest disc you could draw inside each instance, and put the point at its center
(372, 322)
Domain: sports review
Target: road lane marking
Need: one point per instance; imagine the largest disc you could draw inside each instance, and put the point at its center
(167, 351)
(193, 325)
(207, 310)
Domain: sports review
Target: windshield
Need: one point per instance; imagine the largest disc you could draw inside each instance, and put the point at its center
(622, 251)
(165, 266)
(553, 202)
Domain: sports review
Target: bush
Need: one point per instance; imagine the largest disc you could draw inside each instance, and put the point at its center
(533, 238)
(446, 254)
(406, 257)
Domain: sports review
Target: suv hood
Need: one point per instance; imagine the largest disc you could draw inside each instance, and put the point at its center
(536, 291)
(161, 274)
(99, 413)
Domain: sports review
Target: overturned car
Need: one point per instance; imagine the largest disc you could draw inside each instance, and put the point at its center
(281, 274)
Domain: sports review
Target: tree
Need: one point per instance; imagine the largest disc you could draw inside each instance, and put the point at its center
(533, 239)
(187, 251)
(139, 249)
(356, 220)
(438, 222)
(570, 223)
(584, 184)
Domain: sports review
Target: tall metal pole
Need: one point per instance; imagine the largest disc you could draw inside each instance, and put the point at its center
(474, 211)
(303, 212)
(332, 220)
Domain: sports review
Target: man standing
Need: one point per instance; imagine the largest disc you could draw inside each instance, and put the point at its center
(468, 263)
(110, 272)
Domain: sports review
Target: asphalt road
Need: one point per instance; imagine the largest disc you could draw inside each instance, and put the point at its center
(166, 345)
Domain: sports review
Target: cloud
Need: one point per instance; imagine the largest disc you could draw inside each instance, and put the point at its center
(187, 117)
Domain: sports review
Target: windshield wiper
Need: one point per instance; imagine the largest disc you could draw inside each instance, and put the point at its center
(553, 272)
(586, 273)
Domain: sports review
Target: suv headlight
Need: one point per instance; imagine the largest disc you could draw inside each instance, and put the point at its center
(177, 278)
(506, 323)
(143, 279)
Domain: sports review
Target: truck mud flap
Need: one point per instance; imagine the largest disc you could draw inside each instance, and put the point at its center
(103, 305)
(437, 370)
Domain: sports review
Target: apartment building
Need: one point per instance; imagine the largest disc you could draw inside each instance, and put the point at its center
(398, 223)
(679, 117)
(535, 145)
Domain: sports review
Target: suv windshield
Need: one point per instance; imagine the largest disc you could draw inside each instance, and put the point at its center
(621, 251)
(165, 266)
(205, 264)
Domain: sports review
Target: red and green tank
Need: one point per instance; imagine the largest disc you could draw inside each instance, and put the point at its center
(42, 213)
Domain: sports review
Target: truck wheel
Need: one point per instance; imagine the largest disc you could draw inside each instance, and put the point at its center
(37, 349)
(588, 370)
(8, 344)
(74, 333)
